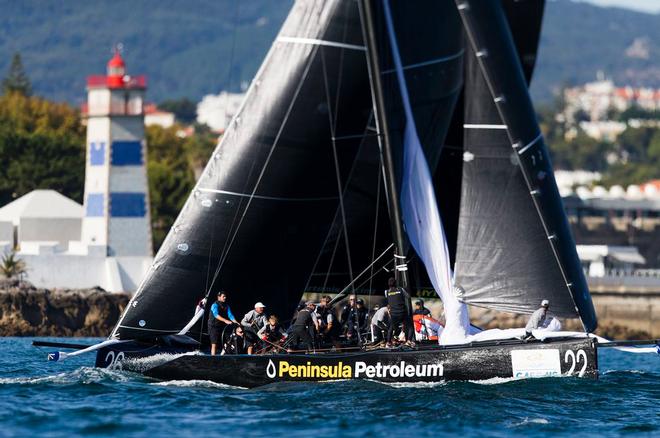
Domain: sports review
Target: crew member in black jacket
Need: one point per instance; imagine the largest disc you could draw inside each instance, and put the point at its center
(399, 301)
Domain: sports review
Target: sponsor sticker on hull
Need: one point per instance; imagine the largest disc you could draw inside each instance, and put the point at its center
(535, 363)
(357, 370)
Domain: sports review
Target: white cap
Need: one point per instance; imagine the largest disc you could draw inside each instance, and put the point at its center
(545, 303)
(259, 304)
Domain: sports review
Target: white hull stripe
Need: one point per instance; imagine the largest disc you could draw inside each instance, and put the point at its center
(530, 144)
(481, 126)
(271, 198)
(430, 62)
(315, 42)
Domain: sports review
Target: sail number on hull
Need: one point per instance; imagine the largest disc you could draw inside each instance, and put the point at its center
(575, 359)
(114, 361)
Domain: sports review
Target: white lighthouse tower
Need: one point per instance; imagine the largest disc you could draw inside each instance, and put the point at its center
(116, 199)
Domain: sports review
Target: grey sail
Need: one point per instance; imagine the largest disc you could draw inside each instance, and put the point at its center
(514, 244)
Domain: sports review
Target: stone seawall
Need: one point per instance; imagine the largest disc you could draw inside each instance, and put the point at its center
(29, 311)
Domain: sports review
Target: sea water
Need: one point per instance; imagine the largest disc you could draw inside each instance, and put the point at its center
(72, 398)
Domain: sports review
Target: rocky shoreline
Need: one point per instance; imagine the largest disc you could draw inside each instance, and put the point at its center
(29, 311)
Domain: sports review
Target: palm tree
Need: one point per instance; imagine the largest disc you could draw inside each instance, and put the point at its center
(11, 266)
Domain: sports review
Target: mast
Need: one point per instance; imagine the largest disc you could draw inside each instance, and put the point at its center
(373, 62)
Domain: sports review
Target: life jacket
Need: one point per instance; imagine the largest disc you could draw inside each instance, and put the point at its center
(223, 310)
(304, 319)
(397, 300)
(272, 333)
(423, 322)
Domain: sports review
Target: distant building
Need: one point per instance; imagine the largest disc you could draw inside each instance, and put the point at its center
(597, 99)
(217, 111)
(601, 260)
(155, 116)
(106, 242)
(42, 215)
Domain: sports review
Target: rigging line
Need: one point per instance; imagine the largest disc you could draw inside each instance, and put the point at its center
(337, 171)
(473, 42)
(318, 42)
(269, 198)
(349, 178)
(343, 291)
(429, 62)
(340, 76)
(270, 154)
(233, 221)
(332, 261)
(373, 247)
(231, 56)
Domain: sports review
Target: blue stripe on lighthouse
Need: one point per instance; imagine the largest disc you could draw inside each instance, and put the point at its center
(127, 205)
(126, 153)
(97, 153)
(94, 205)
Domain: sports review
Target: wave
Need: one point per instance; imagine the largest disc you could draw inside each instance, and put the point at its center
(84, 375)
(526, 421)
(195, 384)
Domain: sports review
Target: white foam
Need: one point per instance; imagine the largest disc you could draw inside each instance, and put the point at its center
(195, 384)
(411, 384)
(143, 364)
(80, 375)
(531, 421)
(494, 381)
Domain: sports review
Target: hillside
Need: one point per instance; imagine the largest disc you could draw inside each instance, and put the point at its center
(187, 51)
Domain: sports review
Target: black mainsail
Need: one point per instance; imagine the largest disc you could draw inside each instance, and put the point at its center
(511, 211)
(269, 198)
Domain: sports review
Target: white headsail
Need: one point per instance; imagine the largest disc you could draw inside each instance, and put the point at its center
(420, 212)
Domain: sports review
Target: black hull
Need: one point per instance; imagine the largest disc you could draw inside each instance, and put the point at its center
(504, 359)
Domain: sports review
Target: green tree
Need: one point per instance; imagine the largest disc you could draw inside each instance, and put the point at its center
(11, 266)
(42, 146)
(17, 80)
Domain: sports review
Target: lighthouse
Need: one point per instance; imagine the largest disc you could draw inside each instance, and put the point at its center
(116, 200)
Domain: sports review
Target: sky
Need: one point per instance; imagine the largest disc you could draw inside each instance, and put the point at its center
(652, 6)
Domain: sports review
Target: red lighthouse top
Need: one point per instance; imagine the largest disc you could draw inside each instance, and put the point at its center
(116, 70)
(116, 76)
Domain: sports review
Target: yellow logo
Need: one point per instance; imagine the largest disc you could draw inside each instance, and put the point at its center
(309, 371)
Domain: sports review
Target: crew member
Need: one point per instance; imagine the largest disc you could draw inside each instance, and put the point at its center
(357, 320)
(537, 319)
(305, 323)
(272, 333)
(399, 303)
(420, 309)
(237, 343)
(255, 319)
(328, 324)
(380, 324)
(220, 317)
(345, 311)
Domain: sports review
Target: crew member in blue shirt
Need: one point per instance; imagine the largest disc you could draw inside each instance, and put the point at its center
(220, 317)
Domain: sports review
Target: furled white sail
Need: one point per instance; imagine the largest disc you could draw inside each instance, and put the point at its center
(420, 212)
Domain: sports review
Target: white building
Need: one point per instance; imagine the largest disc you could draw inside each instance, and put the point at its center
(43, 215)
(218, 110)
(155, 116)
(601, 260)
(106, 242)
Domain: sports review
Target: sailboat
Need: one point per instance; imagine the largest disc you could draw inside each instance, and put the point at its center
(377, 135)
